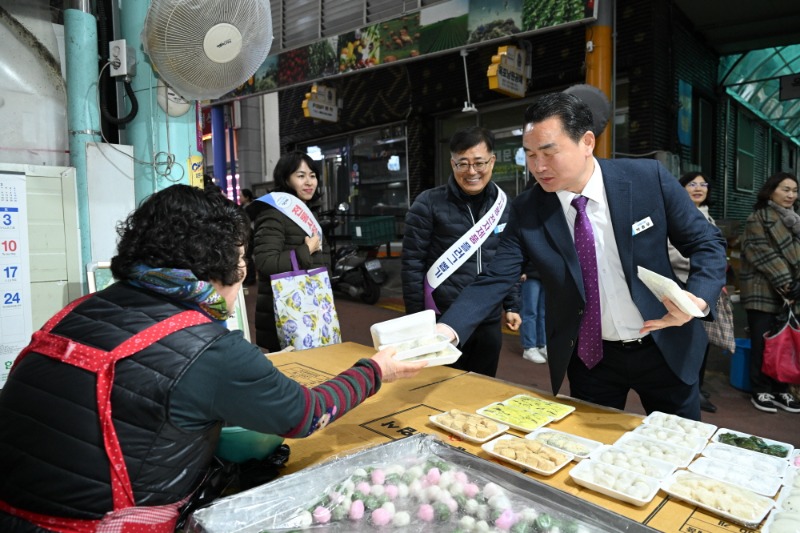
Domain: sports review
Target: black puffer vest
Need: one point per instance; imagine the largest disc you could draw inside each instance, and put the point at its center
(64, 470)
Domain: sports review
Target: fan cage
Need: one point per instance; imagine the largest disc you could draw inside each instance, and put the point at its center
(173, 36)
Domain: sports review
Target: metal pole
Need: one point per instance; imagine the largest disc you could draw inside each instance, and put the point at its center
(83, 115)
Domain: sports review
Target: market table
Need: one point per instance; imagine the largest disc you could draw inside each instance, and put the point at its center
(402, 409)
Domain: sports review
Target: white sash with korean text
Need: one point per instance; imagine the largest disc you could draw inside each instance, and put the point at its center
(461, 250)
(294, 208)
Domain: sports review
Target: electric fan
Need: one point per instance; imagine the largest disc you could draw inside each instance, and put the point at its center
(206, 48)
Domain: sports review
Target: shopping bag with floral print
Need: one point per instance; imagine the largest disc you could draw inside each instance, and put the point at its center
(305, 315)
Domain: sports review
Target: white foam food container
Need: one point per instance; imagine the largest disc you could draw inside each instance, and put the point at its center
(655, 449)
(729, 501)
(663, 287)
(404, 328)
(446, 356)
(485, 428)
(788, 448)
(758, 482)
(517, 417)
(565, 458)
(579, 447)
(745, 458)
(615, 482)
(679, 438)
(795, 459)
(555, 410)
(679, 423)
(635, 462)
(789, 498)
(780, 521)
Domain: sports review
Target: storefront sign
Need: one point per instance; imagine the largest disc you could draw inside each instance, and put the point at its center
(507, 73)
(321, 104)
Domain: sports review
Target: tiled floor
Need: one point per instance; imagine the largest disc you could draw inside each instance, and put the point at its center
(734, 408)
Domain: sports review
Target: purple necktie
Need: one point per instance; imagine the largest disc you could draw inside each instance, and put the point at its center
(590, 339)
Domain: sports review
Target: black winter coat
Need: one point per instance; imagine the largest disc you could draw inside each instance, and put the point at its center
(437, 218)
(275, 236)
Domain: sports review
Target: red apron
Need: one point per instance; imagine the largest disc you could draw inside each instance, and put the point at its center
(126, 517)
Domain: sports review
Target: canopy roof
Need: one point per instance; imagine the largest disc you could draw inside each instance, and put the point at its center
(753, 78)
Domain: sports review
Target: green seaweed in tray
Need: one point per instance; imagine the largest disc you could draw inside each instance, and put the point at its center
(756, 444)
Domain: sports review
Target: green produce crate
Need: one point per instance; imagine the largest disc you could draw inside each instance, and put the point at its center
(372, 231)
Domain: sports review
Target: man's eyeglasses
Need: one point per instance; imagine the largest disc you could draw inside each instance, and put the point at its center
(695, 184)
(479, 166)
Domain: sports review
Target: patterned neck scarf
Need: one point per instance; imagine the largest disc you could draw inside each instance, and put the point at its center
(789, 218)
(182, 285)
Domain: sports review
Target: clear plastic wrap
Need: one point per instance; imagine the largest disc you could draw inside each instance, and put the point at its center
(488, 492)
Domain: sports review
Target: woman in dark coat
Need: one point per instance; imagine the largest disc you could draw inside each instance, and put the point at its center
(276, 235)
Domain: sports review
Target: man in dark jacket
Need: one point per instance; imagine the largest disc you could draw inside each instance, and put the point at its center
(452, 232)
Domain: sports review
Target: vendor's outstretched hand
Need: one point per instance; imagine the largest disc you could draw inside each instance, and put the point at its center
(393, 369)
(674, 316)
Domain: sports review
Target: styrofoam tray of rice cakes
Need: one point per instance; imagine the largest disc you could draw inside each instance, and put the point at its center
(579, 447)
(758, 482)
(468, 426)
(555, 410)
(404, 329)
(729, 501)
(679, 423)
(679, 438)
(753, 443)
(446, 356)
(780, 521)
(419, 346)
(745, 458)
(527, 454)
(663, 451)
(789, 499)
(517, 417)
(616, 482)
(635, 462)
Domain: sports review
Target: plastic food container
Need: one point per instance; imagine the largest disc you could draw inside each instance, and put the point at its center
(579, 447)
(414, 336)
(678, 423)
(562, 459)
(795, 460)
(780, 521)
(758, 482)
(782, 450)
(635, 462)
(729, 501)
(679, 438)
(438, 421)
(663, 451)
(238, 445)
(555, 410)
(789, 499)
(746, 459)
(616, 482)
(515, 416)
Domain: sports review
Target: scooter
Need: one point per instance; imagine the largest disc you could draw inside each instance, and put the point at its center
(352, 271)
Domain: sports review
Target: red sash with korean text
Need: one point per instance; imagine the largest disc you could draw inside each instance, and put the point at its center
(461, 250)
(294, 208)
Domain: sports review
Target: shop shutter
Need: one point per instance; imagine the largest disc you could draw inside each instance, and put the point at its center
(341, 17)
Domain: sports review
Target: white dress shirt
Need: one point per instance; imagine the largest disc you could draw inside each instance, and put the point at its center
(621, 319)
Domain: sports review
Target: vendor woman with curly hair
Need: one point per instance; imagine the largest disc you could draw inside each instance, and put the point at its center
(153, 346)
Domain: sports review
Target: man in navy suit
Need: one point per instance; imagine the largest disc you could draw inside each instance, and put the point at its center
(633, 206)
